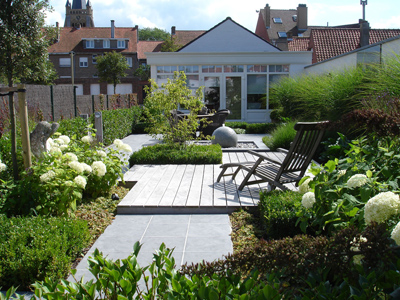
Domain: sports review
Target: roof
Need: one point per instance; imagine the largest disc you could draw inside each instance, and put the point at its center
(71, 38)
(299, 44)
(78, 4)
(327, 43)
(184, 37)
(287, 25)
(148, 46)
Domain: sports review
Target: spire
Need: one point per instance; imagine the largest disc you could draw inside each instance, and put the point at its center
(68, 4)
(78, 4)
(88, 3)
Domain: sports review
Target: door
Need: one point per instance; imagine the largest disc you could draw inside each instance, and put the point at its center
(212, 92)
(233, 96)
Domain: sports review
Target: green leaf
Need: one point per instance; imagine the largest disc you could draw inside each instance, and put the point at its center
(331, 165)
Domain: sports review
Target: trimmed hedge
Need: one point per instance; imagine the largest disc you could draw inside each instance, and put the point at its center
(164, 154)
(34, 248)
(278, 213)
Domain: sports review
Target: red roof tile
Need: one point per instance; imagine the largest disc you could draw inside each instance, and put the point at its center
(148, 46)
(299, 44)
(71, 38)
(328, 43)
(184, 37)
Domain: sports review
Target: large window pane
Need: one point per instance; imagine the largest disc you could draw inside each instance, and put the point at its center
(256, 91)
(234, 97)
(212, 92)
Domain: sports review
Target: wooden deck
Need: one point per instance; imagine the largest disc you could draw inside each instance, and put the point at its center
(189, 188)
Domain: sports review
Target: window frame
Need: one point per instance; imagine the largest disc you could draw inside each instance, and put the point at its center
(89, 44)
(64, 65)
(83, 62)
(106, 44)
(121, 44)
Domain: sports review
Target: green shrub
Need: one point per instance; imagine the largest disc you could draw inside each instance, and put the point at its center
(233, 124)
(118, 123)
(281, 137)
(76, 126)
(175, 154)
(260, 127)
(35, 248)
(139, 128)
(277, 211)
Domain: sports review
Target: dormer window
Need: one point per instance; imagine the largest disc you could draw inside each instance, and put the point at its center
(277, 20)
(106, 43)
(121, 44)
(282, 34)
(294, 18)
(89, 44)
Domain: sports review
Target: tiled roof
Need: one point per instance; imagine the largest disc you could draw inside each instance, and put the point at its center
(299, 44)
(71, 38)
(148, 46)
(288, 24)
(328, 43)
(184, 37)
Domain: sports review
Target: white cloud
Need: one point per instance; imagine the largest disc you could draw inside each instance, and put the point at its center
(393, 23)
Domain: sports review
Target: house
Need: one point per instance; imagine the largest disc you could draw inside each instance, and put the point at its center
(279, 26)
(77, 45)
(235, 67)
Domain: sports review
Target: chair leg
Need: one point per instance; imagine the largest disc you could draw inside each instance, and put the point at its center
(221, 173)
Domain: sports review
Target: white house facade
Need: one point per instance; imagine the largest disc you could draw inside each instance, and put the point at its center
(234, 66)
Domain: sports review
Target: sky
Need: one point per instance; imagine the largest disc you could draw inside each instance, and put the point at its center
(205, 14)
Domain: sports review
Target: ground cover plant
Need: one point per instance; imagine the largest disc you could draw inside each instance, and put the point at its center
(244, 127)
(176, 154)
(281, 136)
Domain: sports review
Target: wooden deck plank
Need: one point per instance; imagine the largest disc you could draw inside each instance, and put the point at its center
(194, 196)
(135, 173)
(219, 189)
(184, 187)
(207, 190)
(170, 193)
(158, 193)
(149, 189)
(132, 195)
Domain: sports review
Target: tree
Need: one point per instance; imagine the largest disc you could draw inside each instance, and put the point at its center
(153, 34)
(159, 104)
(170, 45)
(111, 67)
(23, 50)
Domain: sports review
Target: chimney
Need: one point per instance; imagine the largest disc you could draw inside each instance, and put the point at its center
(112, 29)
(364, 33)
(302, 22)
(58, 31)
(137, 33)
(267, 16)
(173, 30)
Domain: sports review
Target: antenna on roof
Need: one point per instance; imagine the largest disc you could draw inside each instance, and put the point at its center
(363, 3)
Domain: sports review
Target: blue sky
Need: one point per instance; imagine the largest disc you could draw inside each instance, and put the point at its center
(204, 14)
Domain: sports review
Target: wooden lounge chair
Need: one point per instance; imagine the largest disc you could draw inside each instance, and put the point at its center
(291, 169)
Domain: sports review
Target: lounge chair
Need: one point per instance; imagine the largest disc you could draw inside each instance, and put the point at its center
(291, 169)
(215, 121)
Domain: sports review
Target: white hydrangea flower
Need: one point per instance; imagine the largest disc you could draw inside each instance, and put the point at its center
(68, 183)
(69, 156)
(381, 207)
(355, 246)
(99, 168)
(63, 147)
(357, 180)
(341, 173)
(80, 181)
(59, 141)
(49, 144)
(47, 176)
(87, 139)
(304, 187)
(3, 166)
(65, 139)
(308, 200)
(125, 148)
(396, 234)
(77, 166)
(117, 142)
(86, 167)
(101, 153)
(54, 150)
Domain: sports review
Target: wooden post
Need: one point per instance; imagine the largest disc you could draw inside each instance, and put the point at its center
(98, 124)
(23, 115)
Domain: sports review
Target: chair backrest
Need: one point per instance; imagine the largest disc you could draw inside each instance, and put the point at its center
(220, 116)
(303, 147)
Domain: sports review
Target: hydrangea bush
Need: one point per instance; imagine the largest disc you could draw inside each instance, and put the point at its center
(70, 169)
(357, 190)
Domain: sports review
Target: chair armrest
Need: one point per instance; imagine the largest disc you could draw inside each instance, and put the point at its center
(283, 150)
(260, 155)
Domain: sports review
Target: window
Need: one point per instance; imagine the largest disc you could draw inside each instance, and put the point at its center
(277, 20)
(121, 44)
(65, 62)
(89, 44)
(256, 91)
(129, 61)
(106, 43)
(189, 69)
(94, 57)
(83, 62)
(294, 18)
(166, 69)
(282, 34)
(256, 68)
(279, 68)
(233, 68)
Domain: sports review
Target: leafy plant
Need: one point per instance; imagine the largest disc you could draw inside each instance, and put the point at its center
(281, 137)
(175, 154)
(111, 67)
(160, 104)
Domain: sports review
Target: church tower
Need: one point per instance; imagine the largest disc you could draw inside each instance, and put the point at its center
(78, 14)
